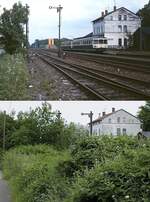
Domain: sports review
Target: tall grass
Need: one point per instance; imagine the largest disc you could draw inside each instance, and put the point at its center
(13, 77)
(31, 171)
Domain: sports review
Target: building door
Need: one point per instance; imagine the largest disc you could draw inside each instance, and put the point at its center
(125, 43)
(124, 131)
(120, 42)
(118, 131)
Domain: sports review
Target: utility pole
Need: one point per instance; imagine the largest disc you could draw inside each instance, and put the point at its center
(27, 31)
(59, 9)
(90, 115)
(4, 131)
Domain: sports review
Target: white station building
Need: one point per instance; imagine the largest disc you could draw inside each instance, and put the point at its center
(116, 26)
(118, 122)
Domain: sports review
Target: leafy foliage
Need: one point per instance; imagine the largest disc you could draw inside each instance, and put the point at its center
(144, 115)
(144, 13)
(123, 176)
(14, 77)
(12, 28)
(31, 172)
(106, 169)
(10, 128)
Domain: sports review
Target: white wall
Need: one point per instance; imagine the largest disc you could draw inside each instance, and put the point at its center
(127, 121)
(110, 26)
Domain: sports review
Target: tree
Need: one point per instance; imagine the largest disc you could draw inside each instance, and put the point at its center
(144, 115)
(144, 13)
(10, 128)
(12, 28)
(42, 126)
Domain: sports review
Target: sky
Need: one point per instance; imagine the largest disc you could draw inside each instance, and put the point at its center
(76, 15)
(71, 110)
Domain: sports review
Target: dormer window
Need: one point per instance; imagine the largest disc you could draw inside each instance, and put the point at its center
(120, 17)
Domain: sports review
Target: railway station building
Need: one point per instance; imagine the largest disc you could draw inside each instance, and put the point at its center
(118, 122)
(116, 26)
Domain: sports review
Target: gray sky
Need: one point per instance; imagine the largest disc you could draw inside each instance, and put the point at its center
(71, 110)
(77, 15)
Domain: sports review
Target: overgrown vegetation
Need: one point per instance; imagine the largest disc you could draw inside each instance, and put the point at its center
(100, 169)
(14, 77)
(31, 171)
(38, 126)
(144, 115)
(51, 161)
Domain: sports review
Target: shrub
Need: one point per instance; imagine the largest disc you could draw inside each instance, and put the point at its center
(32, 174)
(123, 178)
(13, 79)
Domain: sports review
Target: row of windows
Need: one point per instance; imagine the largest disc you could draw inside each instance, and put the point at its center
(120, 17)
(119, 132)
(123, 120)
(120, 29)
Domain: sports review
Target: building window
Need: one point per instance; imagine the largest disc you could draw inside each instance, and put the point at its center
(124, 131)
(120, 28)
(119, 17)
(99, 131)
(125, 28)
(109, 121)
(120, 42)
(111, 17)
(118, 120)
(125, 43)
(125, 17)
(124, 119)
(118, 131)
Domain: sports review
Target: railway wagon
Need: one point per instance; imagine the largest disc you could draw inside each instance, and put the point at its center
(85, 44)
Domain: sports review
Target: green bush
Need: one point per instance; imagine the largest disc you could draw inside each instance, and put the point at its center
(32, 174)
(13, 79)
(123, 178)
(88, 151)
(97, 169)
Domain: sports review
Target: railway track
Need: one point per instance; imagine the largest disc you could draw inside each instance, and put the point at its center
(90, 80)
(114, 75)
(128, 63)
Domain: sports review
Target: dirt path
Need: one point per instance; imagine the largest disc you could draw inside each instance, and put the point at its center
(4, 190)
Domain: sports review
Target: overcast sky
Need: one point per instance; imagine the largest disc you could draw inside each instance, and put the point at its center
(72, 110)
(76, 15)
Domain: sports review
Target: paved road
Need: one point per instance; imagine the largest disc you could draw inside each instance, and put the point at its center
(4, 190)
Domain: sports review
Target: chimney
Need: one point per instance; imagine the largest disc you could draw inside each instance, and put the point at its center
(115, 8)
(104, 113)
(106, 12)
(102, 14)
(113, 109)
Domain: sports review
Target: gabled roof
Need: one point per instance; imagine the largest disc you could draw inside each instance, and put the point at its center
(101, 18)
(107, 115)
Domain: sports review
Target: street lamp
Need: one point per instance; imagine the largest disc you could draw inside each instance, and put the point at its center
(90, 115)
(59, 8)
